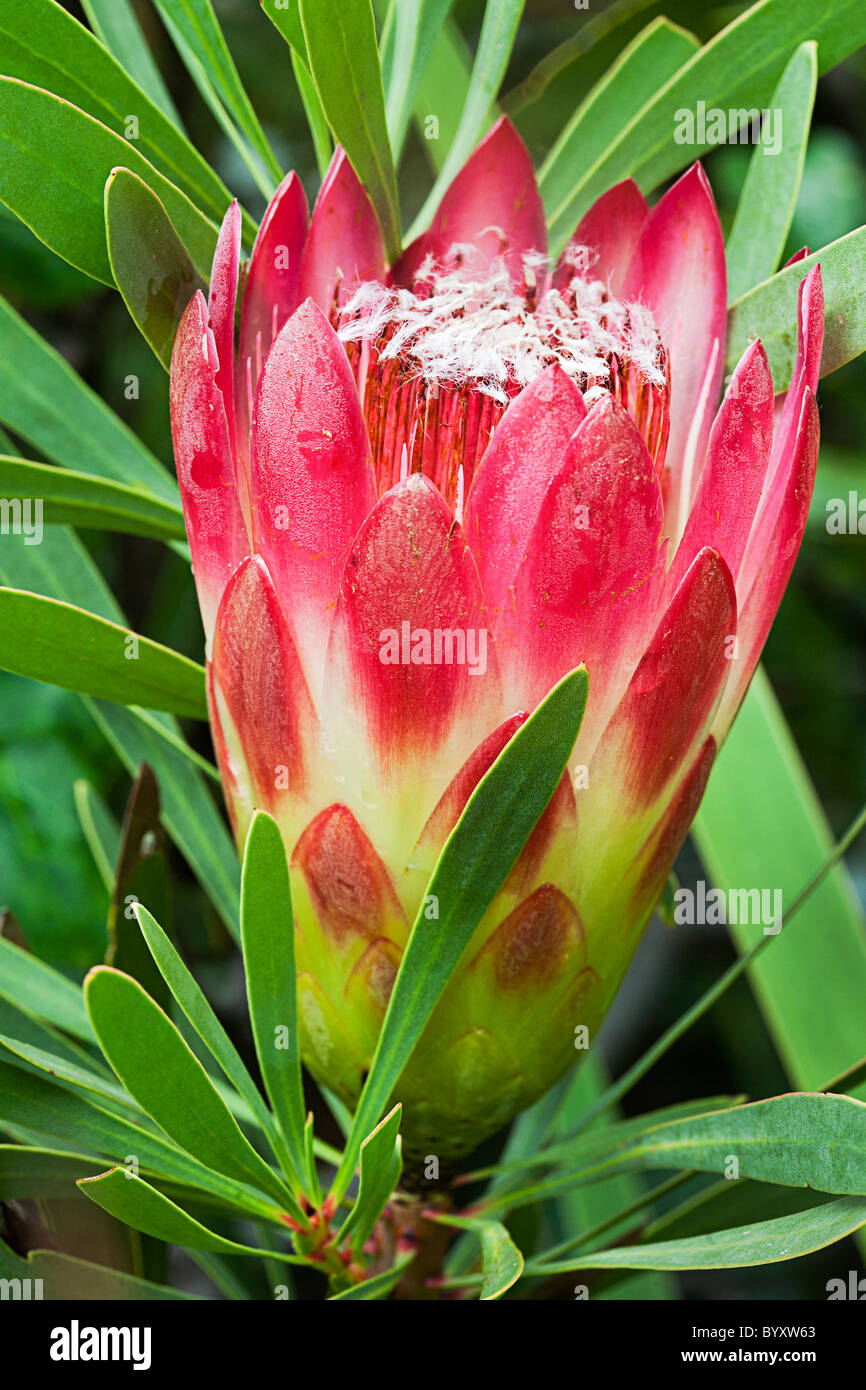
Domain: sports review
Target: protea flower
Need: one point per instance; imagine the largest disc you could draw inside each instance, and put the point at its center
(416, 497)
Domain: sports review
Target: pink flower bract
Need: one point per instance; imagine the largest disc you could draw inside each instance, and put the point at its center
(416, 497)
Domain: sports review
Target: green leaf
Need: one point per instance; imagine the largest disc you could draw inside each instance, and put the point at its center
(501, 1261)
(406, 44)
(43, 45)
(737, 69)
(135, 1202)
(762, 1242)
(42, 991)
(188, 812)
(45, 402)
(30, 1172)
(769, 195)
(650, 59)
(268, 938)
(344, 62)
(287, 21)
(769, 311)
(498, 32)
(151, 1059)
(67, 1279)
(199, 40)
(378, 1287)
(115, 23)
(761, 823)
(381, 1166)
(478, 855)
(36, 1104)
(443, 87)
(54, 161)
(149, 262)
(575, 1153)
(82, 499)
(61, 566)
(64, 1071)
(66, 646)
(799, 1140)
(202, 1017)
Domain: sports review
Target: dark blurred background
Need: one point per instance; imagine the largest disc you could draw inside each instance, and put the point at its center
(816, 655)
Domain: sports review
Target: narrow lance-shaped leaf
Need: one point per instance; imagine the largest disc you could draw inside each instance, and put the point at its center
(66, 646)
(287, 20)
(737, 70)
(760, 1242)
(799, 1140)
(501, 1261)
(407, 40)
(769, 195)
(381, 1165)
(344, 61)
(141, 1206)
(656, 54)
(811, 983)
(199, 40)
(54, 161)
(116, 24)
(64, 1278)
(149, 262)
(478, 855)
(82, 499)
(195, 1006)
(43, 44)
(498, 32)
(45, 402)
(61, 567)
(769, 311)
(26, 1171)
(156, 1066)
(34, 1103)
(42, 990)
(268, 938)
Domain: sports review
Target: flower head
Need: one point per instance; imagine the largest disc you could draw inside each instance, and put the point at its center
(418, 496)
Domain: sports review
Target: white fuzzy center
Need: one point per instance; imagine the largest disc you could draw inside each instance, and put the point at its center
(480, 332)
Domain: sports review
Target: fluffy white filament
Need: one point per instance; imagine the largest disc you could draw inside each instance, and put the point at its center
(477, 331)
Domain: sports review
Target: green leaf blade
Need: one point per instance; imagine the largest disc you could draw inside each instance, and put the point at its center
(149, 262)
(476, 859)
(344, 61)
(268, 939)
(64, 645)
(769, 195)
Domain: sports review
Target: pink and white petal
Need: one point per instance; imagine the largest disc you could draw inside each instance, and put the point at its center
(259, 689)
(492, 206)
(525, 454)
(773, 549)
(344, 244)
(593, 569)
(807, 365)
(349, 888)
(655, 859)
(408, 577)
(270, 291)
(203, 457)
(312, 477)
(450, 805)
(611, 230)
(221, 304)
(666, 710)
(738, 456)
(678, 270)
